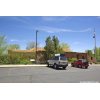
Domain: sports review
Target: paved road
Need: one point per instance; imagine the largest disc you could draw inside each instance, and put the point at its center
(49, 75)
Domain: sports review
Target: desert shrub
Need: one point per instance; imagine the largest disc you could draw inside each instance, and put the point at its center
(72, 60)
(14, 59)
(25, 61)
(4, 59)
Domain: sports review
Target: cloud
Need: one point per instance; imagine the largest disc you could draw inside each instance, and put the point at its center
(54, 18)
(15, 40)
(59, 30)
(21, 19)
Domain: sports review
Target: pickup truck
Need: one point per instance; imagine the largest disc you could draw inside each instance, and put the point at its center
(57, 62)
(81, 63)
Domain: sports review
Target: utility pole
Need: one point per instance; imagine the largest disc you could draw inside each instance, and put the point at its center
(94, 43)
(36, 45)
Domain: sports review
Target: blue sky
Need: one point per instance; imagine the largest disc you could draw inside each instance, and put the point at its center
(77, 31)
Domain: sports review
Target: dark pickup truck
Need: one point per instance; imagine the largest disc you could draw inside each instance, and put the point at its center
(81, 63)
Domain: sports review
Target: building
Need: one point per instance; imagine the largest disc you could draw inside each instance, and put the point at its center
(29, 54)
(41, 54)
(79, 55)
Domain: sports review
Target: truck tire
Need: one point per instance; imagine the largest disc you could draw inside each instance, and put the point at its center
(79, 66)
(64, 67)
(48, 64)
(86, 67)
(55, 66)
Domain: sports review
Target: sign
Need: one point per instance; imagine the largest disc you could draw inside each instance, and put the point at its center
(57, 54)
(32, 59)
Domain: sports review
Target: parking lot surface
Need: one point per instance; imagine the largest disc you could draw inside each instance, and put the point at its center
(43, 74)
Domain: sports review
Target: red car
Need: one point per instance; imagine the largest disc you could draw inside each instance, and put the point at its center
(81, 63)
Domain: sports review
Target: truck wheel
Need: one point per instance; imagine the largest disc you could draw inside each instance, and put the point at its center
(79, 66)
(64, 67)
(48, 64)
(55, 66)
(86, 67)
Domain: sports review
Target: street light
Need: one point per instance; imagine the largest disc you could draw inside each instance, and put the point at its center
(36, 45)
(94, 43)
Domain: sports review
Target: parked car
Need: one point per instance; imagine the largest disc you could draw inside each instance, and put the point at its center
(57, 62)
(81, 63)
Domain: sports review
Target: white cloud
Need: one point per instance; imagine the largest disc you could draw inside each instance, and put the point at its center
(15, 40)
(58, 30)
(54, 18)
(21, 19)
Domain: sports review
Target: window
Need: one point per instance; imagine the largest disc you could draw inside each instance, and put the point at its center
(63, 58)
(56, 58)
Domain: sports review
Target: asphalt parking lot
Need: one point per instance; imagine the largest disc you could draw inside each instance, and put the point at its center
(43, 74)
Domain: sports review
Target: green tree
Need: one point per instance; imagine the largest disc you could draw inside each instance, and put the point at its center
(52, 47)
(89, 52)
(55, 44)
(31, 45)
(98, 54)
(49, 47)
(13, 46)
(64, 47)
(3, 45)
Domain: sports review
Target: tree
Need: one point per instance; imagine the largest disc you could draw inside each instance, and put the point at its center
(98, 54)
(31, 45)
(55, 44)
(49, 47)
(3, 45)
(89, 52)
(13, 46)
(64, 47)
(52, 47)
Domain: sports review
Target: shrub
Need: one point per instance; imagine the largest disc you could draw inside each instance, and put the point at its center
(4, 59)
(14, 59)
(25, 61)
(72, 60)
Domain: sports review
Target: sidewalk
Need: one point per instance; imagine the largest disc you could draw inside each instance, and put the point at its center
(94, 64)
(41, 65)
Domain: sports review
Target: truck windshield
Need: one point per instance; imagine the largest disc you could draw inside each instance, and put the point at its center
(63, 58)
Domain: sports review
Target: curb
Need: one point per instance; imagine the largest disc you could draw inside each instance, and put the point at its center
(42, 65)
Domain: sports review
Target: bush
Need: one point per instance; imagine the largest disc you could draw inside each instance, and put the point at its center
(4, 59)
(72, 60)
(25, 61)
(14, 59)
(19, 60)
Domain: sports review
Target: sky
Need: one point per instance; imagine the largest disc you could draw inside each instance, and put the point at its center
(77, 31)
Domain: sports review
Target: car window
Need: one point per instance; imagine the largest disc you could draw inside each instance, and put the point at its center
(80, 60)
(63, 58)
(56, 58)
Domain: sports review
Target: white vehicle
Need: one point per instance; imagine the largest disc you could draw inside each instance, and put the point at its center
(58, 61)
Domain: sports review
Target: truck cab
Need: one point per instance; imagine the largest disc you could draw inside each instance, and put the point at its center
(81, 63)
(58, 61)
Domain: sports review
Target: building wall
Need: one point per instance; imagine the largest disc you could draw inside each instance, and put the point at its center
(76, 55)
(29, 54)
(79, 56)
(41, 55)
